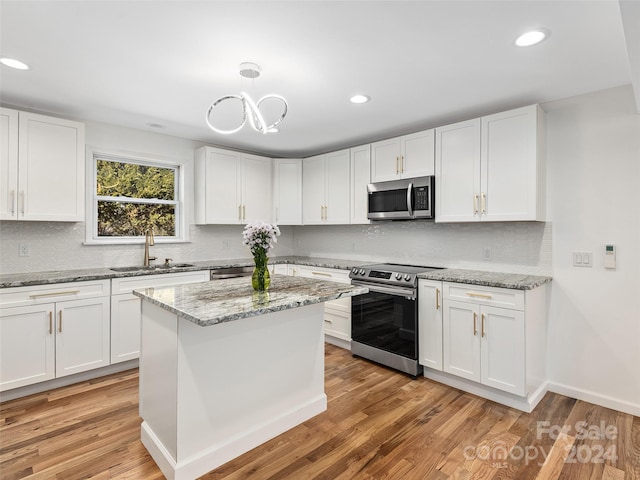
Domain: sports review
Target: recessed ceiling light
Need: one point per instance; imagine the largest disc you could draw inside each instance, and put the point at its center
(360, 98)
(13, 63)
(532, 37)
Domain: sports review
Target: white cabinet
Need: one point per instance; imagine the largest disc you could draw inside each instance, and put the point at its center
(231, 187)
(403, 157)
(492, 168)
(125, 309)
(360, 178)
(287, 191)
(430, 323)
(326, 189)
(42, 166)
(484, 336)
(337, 313)
(52, 331)
(279, 269)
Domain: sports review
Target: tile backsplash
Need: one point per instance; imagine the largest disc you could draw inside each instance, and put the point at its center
(521, 247)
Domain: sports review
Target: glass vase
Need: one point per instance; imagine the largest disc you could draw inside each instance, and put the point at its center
(260, 279)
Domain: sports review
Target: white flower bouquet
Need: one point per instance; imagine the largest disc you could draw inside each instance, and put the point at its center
(260, 238)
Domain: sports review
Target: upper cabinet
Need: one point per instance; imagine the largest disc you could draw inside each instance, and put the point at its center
(403, 157)
(41, 167)
(360, 178)
(492, 168)
(287, 191)
(231, 187)
(326, 188)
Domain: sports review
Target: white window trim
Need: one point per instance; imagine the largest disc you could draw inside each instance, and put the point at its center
(91, 210)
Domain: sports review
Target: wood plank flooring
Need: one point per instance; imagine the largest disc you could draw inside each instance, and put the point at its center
(380, 424)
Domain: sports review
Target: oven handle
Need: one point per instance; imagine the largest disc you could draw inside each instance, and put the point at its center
(409, 293)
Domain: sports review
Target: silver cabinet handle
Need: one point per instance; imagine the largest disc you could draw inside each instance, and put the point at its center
(13, 202)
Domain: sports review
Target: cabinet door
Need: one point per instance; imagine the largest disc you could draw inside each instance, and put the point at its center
(418, 154)
(385, 160)
(82, 335)
(50, 169)
(313, 188)
(256, 189)
(461, 348)
(125, 327)
(458, 172)
(360, 178)
(338, 187)
(287, 191)
(509, 165)
(8, 164)
(503, 349)
(222, 187)
(430, 324)
(27, 349)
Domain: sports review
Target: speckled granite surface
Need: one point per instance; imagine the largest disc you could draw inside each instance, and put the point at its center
(488, 279)
(44, 278)
(210, 303)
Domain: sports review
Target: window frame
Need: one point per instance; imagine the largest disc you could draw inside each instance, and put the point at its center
(92, 198)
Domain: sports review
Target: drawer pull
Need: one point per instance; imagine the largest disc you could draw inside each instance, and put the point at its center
(479, 295)
(482, 323)
(60, 321)
(54, 294)
(327, 321)
(50, 323)
(322, 274)
(475, 323)
(437, 299)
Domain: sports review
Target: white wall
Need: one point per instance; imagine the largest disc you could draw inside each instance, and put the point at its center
(593, 172)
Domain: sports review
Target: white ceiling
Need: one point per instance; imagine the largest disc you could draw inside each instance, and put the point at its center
(424, 63)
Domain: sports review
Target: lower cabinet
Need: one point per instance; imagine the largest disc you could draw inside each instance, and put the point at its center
(486, 340)
(125, 309)
(45, 336)
(430, 323)
(337, 313)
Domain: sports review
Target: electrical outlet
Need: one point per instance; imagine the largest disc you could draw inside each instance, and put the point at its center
(23, 250)
(486, 254)
(226, 245)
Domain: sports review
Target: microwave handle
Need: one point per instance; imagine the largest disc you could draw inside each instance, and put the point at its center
(409, 199)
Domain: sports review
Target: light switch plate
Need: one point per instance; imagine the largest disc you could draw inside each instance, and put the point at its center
(583, 259)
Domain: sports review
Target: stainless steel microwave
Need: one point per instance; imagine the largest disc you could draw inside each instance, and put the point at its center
(406, 199)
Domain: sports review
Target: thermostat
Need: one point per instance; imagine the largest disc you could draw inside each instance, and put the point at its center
(609, 256)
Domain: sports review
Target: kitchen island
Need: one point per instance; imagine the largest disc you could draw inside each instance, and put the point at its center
(224, 369)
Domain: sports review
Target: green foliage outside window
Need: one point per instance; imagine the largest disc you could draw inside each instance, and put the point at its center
(153, 199)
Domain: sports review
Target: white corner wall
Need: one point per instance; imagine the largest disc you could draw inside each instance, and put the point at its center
(593, 179)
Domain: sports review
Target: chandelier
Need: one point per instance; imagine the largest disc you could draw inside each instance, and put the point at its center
(250, 108)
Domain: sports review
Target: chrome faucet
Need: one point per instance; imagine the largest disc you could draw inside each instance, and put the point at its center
(148, 242)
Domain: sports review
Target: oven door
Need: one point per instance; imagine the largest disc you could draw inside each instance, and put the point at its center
(386, 318)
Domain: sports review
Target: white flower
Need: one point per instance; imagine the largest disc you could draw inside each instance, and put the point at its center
(260, 236)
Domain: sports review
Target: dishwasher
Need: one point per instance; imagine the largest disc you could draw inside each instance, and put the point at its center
(230, 272)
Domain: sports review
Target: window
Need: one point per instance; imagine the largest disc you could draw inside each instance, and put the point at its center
(131, 196)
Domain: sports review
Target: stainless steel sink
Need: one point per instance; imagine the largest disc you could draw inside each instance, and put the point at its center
(150, 268)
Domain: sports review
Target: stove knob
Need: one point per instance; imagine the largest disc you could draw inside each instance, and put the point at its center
(361, 271)
(407, 277)
(354, 270)
(398, 276)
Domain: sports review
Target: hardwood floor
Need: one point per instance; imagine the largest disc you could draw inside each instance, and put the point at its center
(379, 425)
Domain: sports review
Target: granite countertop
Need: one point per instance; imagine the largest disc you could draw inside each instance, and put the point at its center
(489, 279)
(210, 303)
(87, 274)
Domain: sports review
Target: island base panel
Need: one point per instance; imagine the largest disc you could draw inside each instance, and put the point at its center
(209, 394)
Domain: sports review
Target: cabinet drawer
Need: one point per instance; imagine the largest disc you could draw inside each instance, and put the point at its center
(497, 297)
(128, 284)
(35, 295)
(321, 273)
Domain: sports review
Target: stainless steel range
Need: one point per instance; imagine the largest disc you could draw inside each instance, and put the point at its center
(384, 322)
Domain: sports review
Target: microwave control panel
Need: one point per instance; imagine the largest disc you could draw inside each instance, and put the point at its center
(422, 198)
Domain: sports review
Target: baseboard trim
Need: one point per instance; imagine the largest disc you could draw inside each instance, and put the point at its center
(68, 380)
(595, 398)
